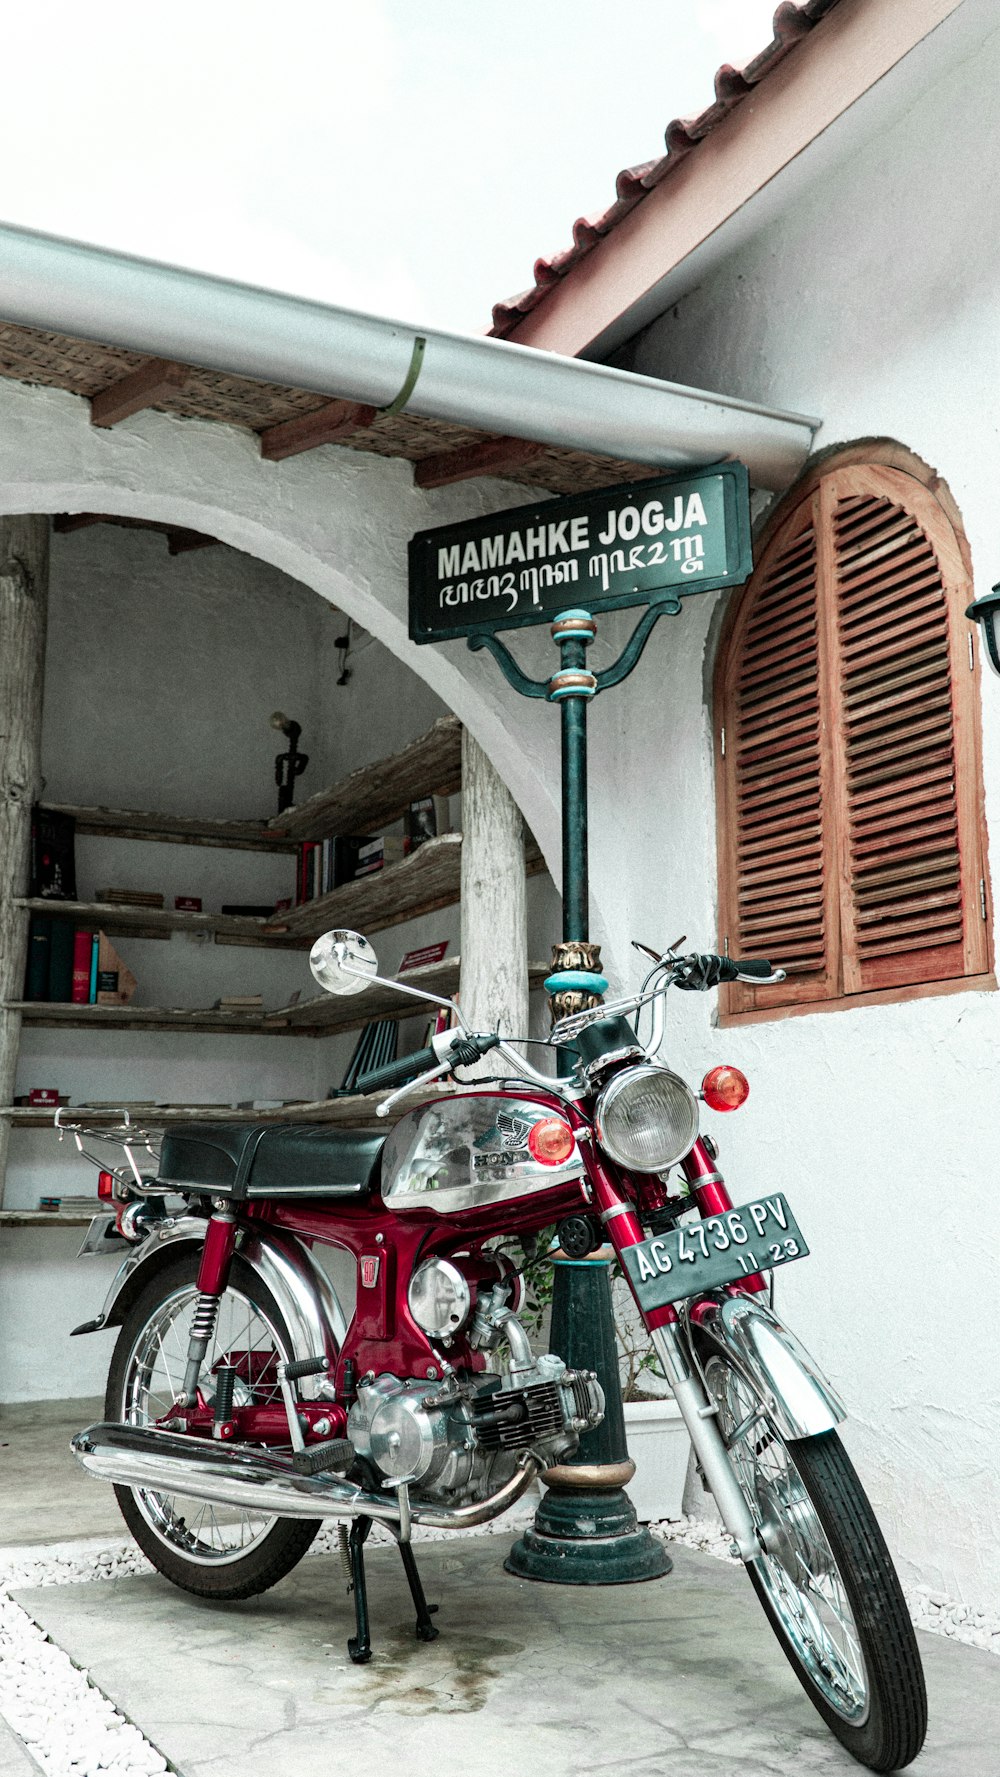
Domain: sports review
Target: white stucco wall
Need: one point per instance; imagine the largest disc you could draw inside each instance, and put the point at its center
(871, 302)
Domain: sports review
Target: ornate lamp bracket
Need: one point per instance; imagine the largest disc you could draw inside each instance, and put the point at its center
(566, 629)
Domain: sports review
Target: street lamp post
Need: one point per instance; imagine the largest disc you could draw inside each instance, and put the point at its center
(585, 1531)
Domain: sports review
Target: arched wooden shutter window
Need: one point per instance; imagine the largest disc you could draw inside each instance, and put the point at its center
(850, 837)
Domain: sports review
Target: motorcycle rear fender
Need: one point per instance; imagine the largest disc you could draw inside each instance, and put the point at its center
(304, 1294)
(793, 1388)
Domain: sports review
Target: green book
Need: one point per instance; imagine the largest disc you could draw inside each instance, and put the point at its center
(61, 961)
(39, 946)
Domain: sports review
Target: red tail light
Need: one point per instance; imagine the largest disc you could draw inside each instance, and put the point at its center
(551, 1141)
(725, 1088)
(105, 1186)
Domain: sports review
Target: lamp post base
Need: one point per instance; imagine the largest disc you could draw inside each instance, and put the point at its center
(586, 1532)
(587, 1538)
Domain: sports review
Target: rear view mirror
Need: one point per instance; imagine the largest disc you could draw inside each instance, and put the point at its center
(343, 962)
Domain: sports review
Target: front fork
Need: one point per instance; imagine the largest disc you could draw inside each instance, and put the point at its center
(699, 1413)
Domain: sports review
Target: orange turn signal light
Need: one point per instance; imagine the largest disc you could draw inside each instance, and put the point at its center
(551, 1141)
(725, 1088)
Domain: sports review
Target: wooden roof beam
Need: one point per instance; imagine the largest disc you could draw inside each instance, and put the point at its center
(495, 456)
(329, 424)
(152, 382)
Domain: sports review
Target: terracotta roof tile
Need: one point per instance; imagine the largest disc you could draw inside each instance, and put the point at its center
(732, 85)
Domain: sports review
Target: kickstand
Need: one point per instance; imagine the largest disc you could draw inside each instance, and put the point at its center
(425, 1629)
(359, 1646)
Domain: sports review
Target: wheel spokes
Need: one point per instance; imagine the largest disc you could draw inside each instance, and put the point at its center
(798, 1567)
(203, 1532)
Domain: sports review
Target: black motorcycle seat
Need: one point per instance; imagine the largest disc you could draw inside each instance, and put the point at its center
(251, 1160)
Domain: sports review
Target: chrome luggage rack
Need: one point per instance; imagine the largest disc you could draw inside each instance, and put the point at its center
(124, 1135)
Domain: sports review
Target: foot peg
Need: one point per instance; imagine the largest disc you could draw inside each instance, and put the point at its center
(352, 1544)
(315, 1459)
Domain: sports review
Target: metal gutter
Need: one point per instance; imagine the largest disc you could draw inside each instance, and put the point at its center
(167, 312)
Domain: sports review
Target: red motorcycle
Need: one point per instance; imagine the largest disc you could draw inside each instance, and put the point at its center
(242, 1409)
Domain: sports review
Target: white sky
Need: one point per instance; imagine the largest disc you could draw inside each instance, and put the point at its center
(412, 157)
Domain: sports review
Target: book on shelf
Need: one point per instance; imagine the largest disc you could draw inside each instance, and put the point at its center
(68, 967)
(82, 945)
(425, 818)
(53, 862)
(61, 953)
(119, 897)
(326, 864)
(36, 985)
(114, 982)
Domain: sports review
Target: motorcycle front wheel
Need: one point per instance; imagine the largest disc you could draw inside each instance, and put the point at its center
(214, 1551)
(826, 1579)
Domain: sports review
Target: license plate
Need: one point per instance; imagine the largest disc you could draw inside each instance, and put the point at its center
(706, 1255)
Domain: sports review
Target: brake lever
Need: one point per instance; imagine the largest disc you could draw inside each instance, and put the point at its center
(383, 1109)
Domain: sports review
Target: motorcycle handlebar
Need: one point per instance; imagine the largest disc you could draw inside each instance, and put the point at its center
(461, 1051)
(700, 972)
(396, 1073)
(754, 967)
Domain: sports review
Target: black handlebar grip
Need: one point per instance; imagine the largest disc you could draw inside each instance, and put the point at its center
(754, 966)
(396, 1073)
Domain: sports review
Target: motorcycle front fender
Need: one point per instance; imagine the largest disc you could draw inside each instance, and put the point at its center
(776, 1365)
(309, 1305)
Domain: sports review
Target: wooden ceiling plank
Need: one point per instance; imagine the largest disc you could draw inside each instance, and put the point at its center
(494, 456)
(144, 387)
(307, 431)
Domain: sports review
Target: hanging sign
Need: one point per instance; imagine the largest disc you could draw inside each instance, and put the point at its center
(637, 544)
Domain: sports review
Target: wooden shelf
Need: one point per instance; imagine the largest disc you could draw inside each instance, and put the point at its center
(374, 795)
(430, 878)
(50, 1218)
(355, 1112)
(175, 829)
(211, 1021)
(159, 922)
(323, 1016)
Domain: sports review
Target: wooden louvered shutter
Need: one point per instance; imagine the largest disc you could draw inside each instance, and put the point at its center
(905, 757)
(848, 767)
(778, 892)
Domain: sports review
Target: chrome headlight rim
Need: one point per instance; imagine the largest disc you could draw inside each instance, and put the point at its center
(609, 1098)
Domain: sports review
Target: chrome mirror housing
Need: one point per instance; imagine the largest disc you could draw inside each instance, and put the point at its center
(343, 962)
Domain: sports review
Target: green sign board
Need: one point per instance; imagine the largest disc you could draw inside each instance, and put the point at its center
(642, 543)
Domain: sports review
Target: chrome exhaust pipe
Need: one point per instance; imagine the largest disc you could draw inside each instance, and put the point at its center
(171, 1462)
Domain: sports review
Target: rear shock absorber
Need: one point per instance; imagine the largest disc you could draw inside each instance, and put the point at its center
(213, 1275)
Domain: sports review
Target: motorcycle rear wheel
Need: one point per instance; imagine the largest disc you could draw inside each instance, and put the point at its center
(212, 1551)
(826, 1581)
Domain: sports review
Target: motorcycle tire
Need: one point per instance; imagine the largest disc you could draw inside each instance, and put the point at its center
(195, 1545)
(827, 1582)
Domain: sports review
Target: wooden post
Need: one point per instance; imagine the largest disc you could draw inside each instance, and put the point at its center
(24, 588)
(494, 975)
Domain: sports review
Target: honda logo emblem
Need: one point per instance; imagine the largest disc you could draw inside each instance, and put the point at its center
(369, 1270)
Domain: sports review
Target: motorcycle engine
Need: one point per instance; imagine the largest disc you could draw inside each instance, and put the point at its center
(459, 1440)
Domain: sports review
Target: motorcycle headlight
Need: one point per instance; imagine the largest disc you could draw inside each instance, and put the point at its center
(646, 1119)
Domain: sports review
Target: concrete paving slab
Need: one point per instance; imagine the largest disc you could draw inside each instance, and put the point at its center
(45, 1494)
(15, 1760)
(680, 1677)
